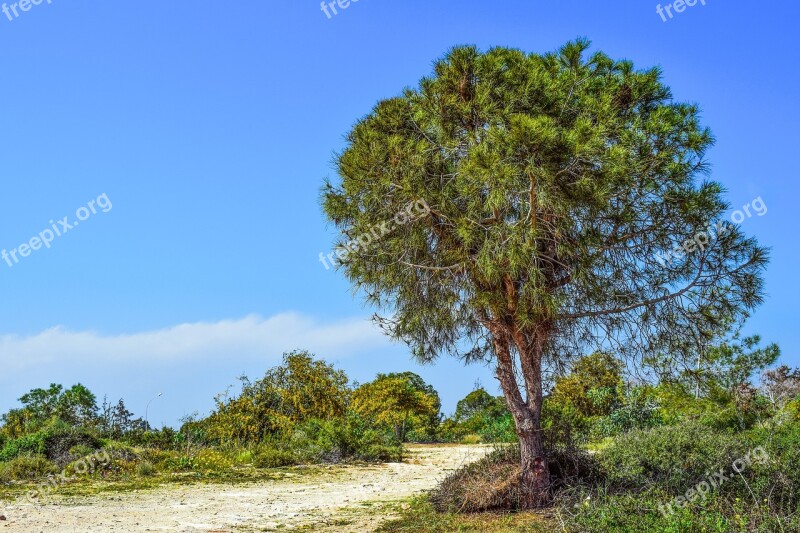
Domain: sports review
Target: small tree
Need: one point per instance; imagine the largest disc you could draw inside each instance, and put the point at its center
(594, 387)
(300, 389)
(483, 414)
(121, 418)
(781, 385)
(554, 184)
(398, 401)
(76, 406)
(718, 368)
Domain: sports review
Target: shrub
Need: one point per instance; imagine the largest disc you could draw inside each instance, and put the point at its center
(274, 458)
(121, 451)
(668, 457)
(244, 457)
(145, 469)
(27, 445)
(162, 439)
(160, 459)
(211, 460)
(472, 438)
(778, 480)
(26, 467)
(59, 440)
(54, 442)
(659, 465)
(81, 450)
(336, 440)
(491, 483)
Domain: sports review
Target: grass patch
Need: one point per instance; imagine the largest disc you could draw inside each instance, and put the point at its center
(421, 516)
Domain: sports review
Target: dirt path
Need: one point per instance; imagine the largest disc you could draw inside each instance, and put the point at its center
(336, 498)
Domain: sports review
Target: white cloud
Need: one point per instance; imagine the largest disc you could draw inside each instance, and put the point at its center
(246, 338)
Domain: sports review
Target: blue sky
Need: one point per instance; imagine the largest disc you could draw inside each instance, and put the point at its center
(210, 127)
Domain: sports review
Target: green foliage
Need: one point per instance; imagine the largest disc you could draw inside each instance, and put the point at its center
(402, 403)
(668, 457)
(647, 470)
(480, 417)
(165, 438)
(719, 368)
(534, 167)
(26, 467)
(145, 469)
(348, 438)
(593, 402)
(638, 409)
(76, 406)
(298, 390)
(54, 442)
(594, 387)
(274, 458)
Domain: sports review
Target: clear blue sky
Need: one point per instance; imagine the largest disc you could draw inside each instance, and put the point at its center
(210, 127)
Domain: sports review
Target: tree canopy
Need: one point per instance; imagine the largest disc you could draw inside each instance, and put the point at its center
(400, 401)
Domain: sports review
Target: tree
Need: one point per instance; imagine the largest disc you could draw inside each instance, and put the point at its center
(594, 387)
(554, 185)
(76, 406)
(720, 367)
(781, 385)
(399, 401)
(300, 389)
(480, 413)
(479, 403)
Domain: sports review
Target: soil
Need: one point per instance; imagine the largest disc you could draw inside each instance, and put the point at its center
(331, 498)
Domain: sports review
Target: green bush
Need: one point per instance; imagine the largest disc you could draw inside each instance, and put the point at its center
(29, 444)
(162, 439)
(179, 463)
(211, 460)
(472, 438)
(26, 467)
(670, 457)
(160, 459)
(348, 438)
(145, 469)
(54, 442)
(778, 480)
(273, 458)
(244, 457)
(646, 471)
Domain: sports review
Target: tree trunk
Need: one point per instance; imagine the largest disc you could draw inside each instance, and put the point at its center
(535, 474)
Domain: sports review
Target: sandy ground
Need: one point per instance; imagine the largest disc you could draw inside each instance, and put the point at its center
(336, 498)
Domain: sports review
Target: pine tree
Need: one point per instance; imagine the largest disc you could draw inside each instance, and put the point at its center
(514, 208)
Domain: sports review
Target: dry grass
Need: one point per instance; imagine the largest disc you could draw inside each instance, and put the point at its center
(493, 483)
(489, 484)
